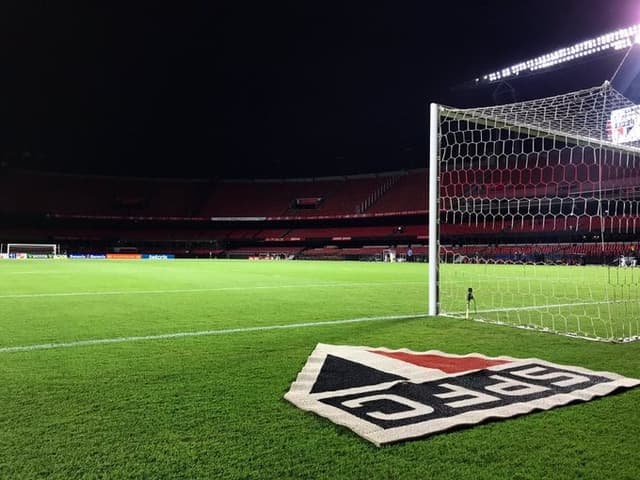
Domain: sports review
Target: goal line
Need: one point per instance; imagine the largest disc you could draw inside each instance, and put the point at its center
(462, 315)
(537, 307)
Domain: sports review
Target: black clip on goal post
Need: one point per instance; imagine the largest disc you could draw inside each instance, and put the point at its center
(471, 298)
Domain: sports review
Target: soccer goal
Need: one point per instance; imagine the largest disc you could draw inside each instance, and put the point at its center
(531, 207)
(32, 250)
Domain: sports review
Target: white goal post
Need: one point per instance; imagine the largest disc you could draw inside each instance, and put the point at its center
(531, 207)
(389, 255)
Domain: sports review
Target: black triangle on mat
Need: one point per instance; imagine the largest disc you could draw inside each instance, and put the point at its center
(338, 374)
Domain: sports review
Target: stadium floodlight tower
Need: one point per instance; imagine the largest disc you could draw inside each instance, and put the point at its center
(531, 205)
(606, 44)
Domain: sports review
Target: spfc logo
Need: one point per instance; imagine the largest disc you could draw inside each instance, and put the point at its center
(388, 396)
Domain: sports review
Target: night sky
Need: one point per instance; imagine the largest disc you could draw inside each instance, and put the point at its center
(263, 89)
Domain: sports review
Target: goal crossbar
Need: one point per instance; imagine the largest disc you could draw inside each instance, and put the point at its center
(545, 133)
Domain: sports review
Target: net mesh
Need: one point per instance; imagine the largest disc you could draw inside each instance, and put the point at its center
(539, 214)
(585, 113)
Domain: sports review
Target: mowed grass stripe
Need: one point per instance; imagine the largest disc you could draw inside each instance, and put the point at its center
(197, 296)
(205, 290)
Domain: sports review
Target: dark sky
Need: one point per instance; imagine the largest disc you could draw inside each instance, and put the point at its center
(264, 89)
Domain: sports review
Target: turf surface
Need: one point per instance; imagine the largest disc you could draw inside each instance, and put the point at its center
(211, 406)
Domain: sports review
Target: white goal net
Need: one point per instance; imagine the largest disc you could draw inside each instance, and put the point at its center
(535, 207)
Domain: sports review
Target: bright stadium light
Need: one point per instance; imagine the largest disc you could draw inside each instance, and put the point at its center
(607, 43)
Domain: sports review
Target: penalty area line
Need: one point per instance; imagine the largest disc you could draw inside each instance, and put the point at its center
(203, 333)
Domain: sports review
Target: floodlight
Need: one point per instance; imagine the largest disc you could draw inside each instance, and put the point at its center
(607, 43)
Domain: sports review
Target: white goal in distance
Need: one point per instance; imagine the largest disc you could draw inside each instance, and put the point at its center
(36, 249)
(517, 194)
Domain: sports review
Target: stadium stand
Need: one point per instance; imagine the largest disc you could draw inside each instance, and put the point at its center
(278, 198)
(408, 194)
(28, 192)
(304, 216)
(547, 253)
(243, 252)
(272, 234)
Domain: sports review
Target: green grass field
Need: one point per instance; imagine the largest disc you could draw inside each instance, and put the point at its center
(212, 406)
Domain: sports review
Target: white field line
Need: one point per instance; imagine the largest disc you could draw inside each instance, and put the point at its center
(203, 290)
(227, 331)
(31, 272)
(530, 278)
(537, 329)
(539, 307)
(104, 341)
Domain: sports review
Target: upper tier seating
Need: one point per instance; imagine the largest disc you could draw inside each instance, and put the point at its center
(69, 195)
(277, 198)
(90, 195)
(408, 194)
(40, 193)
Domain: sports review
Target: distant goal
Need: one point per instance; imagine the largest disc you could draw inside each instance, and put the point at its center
(32, 250)
(535, 207)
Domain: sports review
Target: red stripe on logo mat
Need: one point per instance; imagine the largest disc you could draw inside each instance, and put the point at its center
(446, 364)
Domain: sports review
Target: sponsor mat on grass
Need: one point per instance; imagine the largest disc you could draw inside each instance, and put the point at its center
(388, 396)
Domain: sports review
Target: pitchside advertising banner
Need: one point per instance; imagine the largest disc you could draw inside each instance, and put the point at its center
(89, 256)
(388, 396)
(120, 256)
